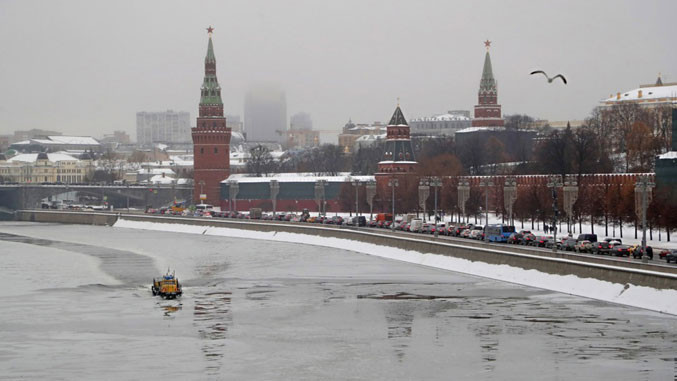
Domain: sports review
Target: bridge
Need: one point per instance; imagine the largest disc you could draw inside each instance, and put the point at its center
(28, 196)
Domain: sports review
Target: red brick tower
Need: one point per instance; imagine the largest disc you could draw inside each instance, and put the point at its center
(211, 137)
(398, 156)
(488, 111)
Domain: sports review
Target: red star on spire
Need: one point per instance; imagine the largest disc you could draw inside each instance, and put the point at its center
(487, 44)
(210, 30)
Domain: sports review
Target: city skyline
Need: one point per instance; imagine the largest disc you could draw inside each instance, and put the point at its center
(76, 71)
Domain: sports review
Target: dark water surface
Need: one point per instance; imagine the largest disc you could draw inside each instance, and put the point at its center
(76, 305)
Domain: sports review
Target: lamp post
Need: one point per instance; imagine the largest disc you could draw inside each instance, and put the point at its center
(319, 196)
(486, 184)
(435, 182)
(202, 184)
(570, 196)
(233, 189)
(643, 188)
(463, 195)
(371, 192)
(509, 196)
(554, 182)
(423, 194)
(393, 183)
(274, 190)
(356, 184)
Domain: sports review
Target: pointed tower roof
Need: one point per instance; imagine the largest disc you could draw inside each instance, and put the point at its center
(487, 83)
(210, 51)
(211, 91)
(398, 118)
(659, 82)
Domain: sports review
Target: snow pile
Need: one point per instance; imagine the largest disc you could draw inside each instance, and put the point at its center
(631, 295)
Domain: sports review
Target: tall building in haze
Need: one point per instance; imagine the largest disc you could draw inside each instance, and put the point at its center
(265, 114)
(162, 127)
(211, 137)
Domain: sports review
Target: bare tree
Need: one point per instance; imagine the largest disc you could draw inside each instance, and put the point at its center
(260, 161)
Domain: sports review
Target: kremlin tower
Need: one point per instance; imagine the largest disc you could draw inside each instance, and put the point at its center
(398, 156)
(211, 137)
(487, 111)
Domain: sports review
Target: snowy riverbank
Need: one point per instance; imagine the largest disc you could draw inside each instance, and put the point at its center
(637, 296)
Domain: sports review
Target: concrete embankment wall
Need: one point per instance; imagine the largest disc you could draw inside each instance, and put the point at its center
(648, 275)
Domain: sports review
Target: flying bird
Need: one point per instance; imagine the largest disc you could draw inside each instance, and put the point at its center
(550, 79)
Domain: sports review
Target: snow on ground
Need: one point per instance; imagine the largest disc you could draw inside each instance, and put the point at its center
(637, 296)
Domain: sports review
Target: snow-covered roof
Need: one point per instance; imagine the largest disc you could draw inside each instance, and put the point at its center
(84, 140)
(474, 129)
(442, 118)
(33, 157)
(60, 139)
(370, 137)
(159, 179)
(302, 177)
(653, 93)
(156, 171)
(668, 155)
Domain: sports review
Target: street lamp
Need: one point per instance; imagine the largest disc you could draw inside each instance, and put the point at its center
(274, 190)
(643, 188)
(371, 192)
(509, 197)
(319, 196)
(554, 182)
(202, 184)
(570, 196)
(486, 184)
(423, 194)
(233, 189)
(356, 184)
(463, 195)
(393, 183)
(435, 182)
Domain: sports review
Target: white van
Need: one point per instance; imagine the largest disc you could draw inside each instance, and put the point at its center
(415, 225)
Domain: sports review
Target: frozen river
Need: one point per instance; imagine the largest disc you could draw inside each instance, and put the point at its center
(76, 304)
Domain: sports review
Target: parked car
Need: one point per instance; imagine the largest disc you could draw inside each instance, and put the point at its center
(567, 244)
(541, 241)
(475, 234)
(602, 247)
(613, 241)
(621, 250)
(583, 246)
(528, 239)
(587, 237)
(671, 256)
(515, 238)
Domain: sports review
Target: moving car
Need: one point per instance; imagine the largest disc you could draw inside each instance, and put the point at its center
(621, 250)
(583, 246)
(602, 247)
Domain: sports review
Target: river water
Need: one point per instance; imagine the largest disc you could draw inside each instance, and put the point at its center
(76, 305)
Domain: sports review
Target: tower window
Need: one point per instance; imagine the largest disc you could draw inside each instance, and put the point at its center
(216, 150)
(202, 150)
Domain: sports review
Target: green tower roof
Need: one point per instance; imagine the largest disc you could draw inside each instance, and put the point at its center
(210, 91)
(487, 83)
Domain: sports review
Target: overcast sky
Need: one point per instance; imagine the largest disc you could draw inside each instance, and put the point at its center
(87, 67)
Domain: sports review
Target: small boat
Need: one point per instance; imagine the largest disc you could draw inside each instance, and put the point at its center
(166, 286)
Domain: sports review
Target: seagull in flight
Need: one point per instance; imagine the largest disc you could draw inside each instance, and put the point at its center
(550, 79)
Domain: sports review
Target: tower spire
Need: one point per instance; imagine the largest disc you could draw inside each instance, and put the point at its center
(210, 91)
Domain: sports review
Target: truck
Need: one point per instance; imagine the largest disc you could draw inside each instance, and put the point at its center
(255, 213)
(384, 217)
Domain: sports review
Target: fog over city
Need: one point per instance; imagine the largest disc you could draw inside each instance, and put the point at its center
(87, 67)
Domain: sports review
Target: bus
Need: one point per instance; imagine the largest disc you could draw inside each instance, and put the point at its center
(498, 233)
